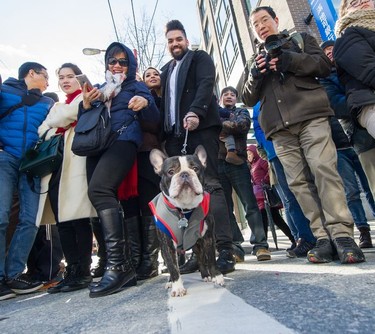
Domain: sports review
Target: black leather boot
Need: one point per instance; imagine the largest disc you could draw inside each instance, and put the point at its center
(119, 271)
(69, 276)
(98, 270)
(150, 249)
(135, 242)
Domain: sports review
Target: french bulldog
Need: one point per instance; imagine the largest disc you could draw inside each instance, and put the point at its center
(182, 215)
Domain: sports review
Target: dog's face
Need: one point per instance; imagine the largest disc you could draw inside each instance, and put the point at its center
(181, 176)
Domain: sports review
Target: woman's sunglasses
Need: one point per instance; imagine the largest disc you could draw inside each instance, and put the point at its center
(122, 61)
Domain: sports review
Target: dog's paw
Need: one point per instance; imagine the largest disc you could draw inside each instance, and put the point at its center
(218, 279)
(178, 289)
(207, 279)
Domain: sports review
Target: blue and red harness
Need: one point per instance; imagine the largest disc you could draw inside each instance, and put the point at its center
(168, 219)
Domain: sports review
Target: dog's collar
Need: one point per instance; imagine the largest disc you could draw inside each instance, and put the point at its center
(183, 211)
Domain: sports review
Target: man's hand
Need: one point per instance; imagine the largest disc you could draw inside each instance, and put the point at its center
(137, 103)
(191, 121)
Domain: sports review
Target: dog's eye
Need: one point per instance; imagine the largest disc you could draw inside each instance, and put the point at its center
(170, 171)
(195, 168)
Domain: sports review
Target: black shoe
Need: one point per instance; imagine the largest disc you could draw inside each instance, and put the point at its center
(322, 252)
(301, 250)
(365, 237)
(190, 266)
(22, 284)
(239, 253)
(77, 283)
(348, 251)
(292, 246)
(5, 292)
(225, 262)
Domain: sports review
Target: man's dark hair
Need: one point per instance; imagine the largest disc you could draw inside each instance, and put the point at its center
(174, 25)
(268, 9)
(229, 88)
(72, 66)
(52, 95)
(26, 67)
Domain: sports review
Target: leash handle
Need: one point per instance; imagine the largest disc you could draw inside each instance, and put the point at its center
(183, 151)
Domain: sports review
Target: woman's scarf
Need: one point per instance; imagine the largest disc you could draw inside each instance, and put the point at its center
(359, 18)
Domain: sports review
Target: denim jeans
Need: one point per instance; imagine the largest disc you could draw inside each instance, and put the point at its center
(295, 217)
(238, 178)
(346, 167)
(11, 180)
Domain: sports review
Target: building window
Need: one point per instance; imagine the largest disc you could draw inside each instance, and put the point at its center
(212, 54)
(214, 4)
(230, 52)
(202, 10)
(222, 19)
(207, 33)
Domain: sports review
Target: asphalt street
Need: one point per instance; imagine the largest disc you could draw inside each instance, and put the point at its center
(278, 296)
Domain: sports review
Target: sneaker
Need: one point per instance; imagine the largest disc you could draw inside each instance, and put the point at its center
(322, 252)
(5, 292)
(263, 254)
(233, 158)
(348, 251)
(190, 266)
(301, 250)
(22, 284)
(292, 246)
(226, 262)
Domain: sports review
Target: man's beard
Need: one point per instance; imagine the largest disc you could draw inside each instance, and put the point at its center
(180, 56)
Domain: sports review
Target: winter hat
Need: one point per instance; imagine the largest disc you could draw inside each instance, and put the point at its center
(326, 44)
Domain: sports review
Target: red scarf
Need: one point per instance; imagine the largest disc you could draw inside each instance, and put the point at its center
(69, 99)
(129, 186)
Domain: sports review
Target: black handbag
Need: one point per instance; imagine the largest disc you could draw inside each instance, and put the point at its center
(271, 195)
(93, 133)
(45, 158)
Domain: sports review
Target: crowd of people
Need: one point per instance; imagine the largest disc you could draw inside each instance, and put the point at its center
(313, 114)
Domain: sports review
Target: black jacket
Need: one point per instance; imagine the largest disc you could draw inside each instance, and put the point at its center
(354, 53)
(195, 85)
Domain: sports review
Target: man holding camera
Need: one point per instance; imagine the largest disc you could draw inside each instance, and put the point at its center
(294, 114)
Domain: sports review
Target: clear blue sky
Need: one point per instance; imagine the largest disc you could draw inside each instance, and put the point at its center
(54, 32)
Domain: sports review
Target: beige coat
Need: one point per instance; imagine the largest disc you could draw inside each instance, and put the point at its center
(73, 202)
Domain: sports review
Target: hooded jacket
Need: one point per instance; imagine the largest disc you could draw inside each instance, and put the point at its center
(19, 130)
(120, 113)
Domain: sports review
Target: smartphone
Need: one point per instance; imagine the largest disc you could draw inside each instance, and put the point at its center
(82, 78)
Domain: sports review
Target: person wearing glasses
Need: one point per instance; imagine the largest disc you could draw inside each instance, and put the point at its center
(127, 99)
(22, 109)
(294, 113)
(354, 54)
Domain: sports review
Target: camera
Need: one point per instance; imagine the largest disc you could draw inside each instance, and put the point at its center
(273, 45)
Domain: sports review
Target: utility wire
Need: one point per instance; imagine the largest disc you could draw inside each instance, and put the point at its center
(136, 30)
(113, 20)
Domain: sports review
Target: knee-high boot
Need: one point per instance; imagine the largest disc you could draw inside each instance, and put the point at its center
(98, 270)
(119, 271)
(135, 242)
(150, 249)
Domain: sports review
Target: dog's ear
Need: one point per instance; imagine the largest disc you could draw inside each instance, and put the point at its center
(157, 158)
(202, 155)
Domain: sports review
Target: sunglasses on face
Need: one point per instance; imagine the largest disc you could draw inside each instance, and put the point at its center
(122, 61)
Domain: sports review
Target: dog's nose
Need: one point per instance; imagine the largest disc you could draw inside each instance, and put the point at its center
(184, 176)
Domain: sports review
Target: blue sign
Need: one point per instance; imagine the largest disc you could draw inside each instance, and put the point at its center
(325, 16)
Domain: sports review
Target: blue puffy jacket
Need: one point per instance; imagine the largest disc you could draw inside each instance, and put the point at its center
(120, 113)
(19, 130)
